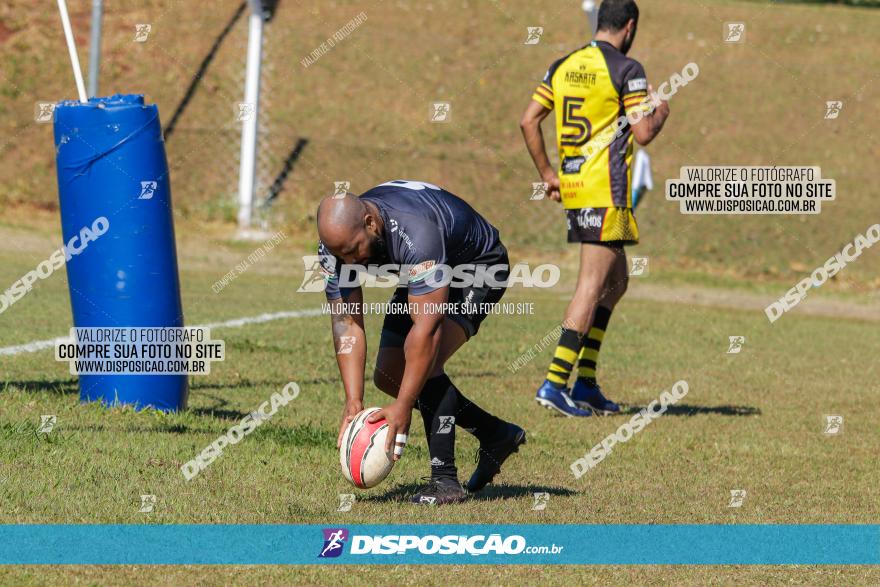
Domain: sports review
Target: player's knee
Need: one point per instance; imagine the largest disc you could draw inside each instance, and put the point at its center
(384, 382)
(618, 286)
(588, 290)
(615, 288)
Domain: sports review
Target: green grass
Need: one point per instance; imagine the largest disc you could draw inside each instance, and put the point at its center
(750, 421)
(440, 576)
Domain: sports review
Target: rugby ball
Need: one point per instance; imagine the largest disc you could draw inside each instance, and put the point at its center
(362, 452)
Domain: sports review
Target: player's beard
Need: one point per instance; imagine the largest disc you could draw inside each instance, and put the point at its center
(378, 250)
(628, 42)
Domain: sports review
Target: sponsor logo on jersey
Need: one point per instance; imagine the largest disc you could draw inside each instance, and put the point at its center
(580, 78)
(572, 164)
(395, 228)
(635, 85)
(421, 270)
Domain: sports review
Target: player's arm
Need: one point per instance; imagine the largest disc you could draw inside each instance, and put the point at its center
(350, 342)
(651, 123)
(642, 104)
(349, 339)
(530, 125)
(420, 350)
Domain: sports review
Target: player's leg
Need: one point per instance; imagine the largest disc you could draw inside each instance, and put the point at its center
(597, 263)
(390, 359)
(442, 405)
(439, 403)
(498, 439)
(437, 406)
(443, 409)
(586, 392)
(443, 486)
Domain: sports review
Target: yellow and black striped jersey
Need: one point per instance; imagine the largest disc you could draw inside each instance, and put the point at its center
(591, 89)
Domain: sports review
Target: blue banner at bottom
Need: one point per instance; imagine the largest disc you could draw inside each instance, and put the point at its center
(233, 544)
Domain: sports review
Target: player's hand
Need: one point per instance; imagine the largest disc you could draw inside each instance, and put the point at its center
(351, 409)
(398, 417)
(552, 181)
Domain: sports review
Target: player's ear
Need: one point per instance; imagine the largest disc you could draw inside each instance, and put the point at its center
(370, 223)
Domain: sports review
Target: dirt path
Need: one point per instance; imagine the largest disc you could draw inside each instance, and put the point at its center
(196, 255)
(737, 300)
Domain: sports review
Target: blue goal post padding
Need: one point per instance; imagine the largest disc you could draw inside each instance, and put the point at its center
(122, 269)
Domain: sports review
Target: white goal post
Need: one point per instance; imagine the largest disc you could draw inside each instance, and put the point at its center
(247, 165)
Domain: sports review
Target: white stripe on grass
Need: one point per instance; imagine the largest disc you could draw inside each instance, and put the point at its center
(39, 345)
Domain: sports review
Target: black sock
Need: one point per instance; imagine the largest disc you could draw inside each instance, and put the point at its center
(467, 414)
(438, 405)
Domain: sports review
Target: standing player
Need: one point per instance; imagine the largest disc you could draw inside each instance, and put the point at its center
(591, 90)
(423, 227)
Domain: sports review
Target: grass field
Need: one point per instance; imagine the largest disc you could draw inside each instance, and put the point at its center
(751, 421)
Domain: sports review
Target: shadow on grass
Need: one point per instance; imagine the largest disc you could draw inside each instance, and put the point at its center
(57, 386)
(218, 413)
(275, 383)
(402, 493)
(691, 410)
(130, 428)
(218, 410)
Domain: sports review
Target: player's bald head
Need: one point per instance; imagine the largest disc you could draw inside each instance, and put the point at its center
(347, 224)
(340, 218)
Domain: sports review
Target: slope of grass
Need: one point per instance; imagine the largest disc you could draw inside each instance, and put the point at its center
(364, 109)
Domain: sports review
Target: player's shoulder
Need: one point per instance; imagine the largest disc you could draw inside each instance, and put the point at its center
(409, 207)
(400, 186)
(633, 67)
(627, 74)
(324, 254)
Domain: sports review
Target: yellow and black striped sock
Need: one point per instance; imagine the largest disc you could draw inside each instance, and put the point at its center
(589, 355)
(565, 356)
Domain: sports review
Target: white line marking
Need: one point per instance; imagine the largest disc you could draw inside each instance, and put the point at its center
(30, 347)
(39, 345)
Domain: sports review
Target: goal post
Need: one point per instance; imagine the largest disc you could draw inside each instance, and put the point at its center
(261, 11)
(591, 8)
(249, 113)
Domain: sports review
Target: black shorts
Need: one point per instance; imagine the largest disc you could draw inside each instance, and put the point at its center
(602, 226)
(473, 303)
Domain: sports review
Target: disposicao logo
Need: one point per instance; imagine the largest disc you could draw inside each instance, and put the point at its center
(334, 541)
(402, 544)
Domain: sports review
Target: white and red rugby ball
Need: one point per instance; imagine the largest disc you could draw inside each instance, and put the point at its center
(362, 452)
